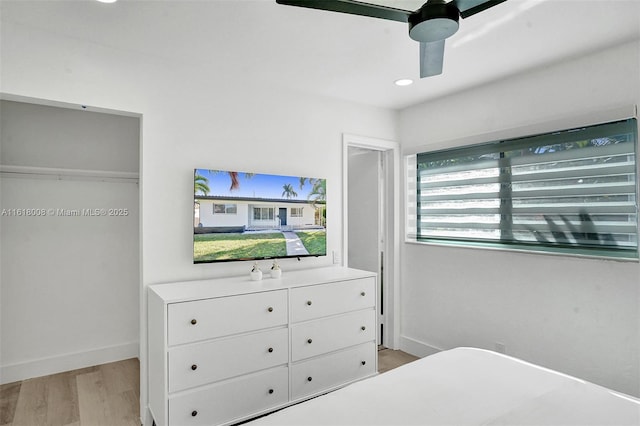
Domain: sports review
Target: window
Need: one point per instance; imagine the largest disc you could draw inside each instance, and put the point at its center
(263, 213)
(296, 211)
(225, 209)
(571, 191)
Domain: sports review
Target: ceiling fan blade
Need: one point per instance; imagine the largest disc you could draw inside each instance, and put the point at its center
(471, 7)
(431, 58)
(352, 7)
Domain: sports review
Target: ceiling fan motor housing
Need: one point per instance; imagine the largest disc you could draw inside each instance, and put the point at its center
(434, 21)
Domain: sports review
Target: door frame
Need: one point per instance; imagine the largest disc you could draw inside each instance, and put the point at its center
(391, 224)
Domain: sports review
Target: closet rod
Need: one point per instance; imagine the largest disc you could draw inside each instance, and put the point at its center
(75, 174)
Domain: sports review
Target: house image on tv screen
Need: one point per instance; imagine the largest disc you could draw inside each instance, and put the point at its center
(245, 216)
(229, 214)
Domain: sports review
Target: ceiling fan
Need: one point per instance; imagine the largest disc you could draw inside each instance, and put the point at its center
(431, 24)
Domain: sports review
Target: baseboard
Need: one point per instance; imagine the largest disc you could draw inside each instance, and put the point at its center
(416, 347)
(73, 361)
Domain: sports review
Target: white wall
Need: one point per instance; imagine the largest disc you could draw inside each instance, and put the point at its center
(207, 218)
(192, 118)
(244, 212)
(69, 283)
(579, 316)
(308, 217)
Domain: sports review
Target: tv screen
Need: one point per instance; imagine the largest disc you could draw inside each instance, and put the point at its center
(251, 216)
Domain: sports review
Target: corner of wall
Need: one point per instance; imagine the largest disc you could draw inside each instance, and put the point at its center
(416, 347)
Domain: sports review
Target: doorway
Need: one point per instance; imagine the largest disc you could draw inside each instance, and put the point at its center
(74, 254)
(366, 207)
(371, 204)
(282, 215)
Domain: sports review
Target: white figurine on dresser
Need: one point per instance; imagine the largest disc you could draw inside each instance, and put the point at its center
(226, 350)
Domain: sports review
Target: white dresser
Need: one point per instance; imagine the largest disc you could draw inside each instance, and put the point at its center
(225, 350)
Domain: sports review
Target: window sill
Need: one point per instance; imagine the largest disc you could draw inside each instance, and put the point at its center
(547, 251)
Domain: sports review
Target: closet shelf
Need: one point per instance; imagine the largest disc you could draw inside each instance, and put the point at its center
(71, 174)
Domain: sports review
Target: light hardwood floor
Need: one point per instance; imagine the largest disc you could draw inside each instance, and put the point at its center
(388, 359)
(104, 395)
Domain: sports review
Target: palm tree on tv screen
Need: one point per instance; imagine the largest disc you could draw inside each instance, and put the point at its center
(200, 185)
(288, 191)
(234, 177)
(318, 192)
(318, 188)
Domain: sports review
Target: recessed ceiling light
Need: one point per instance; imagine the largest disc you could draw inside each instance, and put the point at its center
(403, 82)
(107, 1)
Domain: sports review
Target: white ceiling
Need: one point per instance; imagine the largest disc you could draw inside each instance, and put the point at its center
(337, 55)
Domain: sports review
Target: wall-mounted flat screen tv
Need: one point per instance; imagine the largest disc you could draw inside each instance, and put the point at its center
(252, 216)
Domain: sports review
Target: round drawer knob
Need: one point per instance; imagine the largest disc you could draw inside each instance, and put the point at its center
(363, 294)
(364, 362)
(363, 328)
(309, 302)
(194, 321)
(194, 413)
(309, 341)
(270, 391)
(270, 309)
(309, 379)
(270, 349)
(194, 367)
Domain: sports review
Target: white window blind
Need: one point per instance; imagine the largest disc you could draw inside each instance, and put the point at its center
(572, 190)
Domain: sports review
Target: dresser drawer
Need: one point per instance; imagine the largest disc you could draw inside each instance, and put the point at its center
(313, 376)
(231, 400)
(208, 362)
(210, 318)
(328, 299)
(329, 334)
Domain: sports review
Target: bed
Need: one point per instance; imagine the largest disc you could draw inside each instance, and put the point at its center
(465, 386)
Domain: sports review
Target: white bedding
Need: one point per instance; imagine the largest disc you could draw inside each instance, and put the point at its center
(465, 386)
